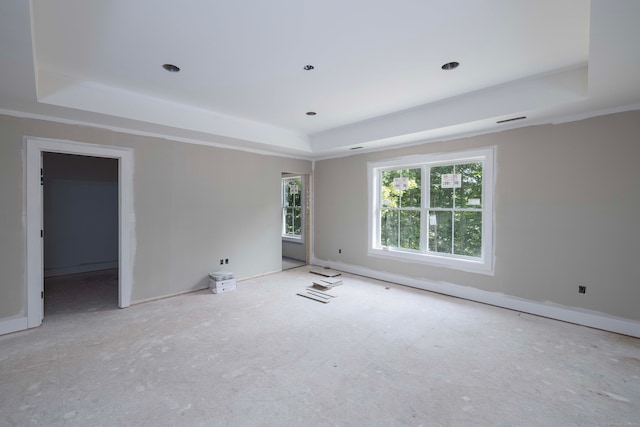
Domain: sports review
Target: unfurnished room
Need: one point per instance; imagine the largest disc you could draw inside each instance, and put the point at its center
(296, 213)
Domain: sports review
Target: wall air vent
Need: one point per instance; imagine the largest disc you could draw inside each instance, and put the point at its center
(511, 120)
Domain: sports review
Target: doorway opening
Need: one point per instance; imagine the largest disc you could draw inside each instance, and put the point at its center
(295, 224)
(35, 218)
(80, 218)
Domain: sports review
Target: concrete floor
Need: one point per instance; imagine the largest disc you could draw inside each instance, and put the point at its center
(289, 263)
(262, 356)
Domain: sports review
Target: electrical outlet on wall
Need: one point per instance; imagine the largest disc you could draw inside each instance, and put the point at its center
(582, 289)
(221, 261)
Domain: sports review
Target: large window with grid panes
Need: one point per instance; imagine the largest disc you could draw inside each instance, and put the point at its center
(434, 208)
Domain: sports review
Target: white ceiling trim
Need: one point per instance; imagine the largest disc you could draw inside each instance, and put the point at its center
(66, 91)
(524, 95)
(134, 131)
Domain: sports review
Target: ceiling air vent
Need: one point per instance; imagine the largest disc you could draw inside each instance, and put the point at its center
(511, 120)
(171, 68)
(450, 66)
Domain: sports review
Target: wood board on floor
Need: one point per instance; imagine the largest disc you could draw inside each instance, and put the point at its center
(312, 290)
(325, 272)
(326, 282)
(314, 296)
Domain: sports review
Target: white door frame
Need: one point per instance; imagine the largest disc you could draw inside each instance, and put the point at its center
(34, 147)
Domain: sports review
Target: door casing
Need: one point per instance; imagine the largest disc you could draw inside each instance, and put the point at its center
(34, 147)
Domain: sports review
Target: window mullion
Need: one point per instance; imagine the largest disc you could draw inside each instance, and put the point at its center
(399, 210)
(425, 192)
(379, 207)
(453, 216)
(453, 230)
(398, 228)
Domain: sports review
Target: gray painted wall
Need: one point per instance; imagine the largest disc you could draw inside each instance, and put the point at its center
(80, 213)
(294, 250)
(193, 204)
(567, 211)
(567, 203)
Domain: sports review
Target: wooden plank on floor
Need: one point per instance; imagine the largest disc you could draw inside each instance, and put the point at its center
(327, 282)
(319, 292)
(325, 272)
(319, 286)
(314, 297)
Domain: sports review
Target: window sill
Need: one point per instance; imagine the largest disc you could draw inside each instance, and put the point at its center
(468, 265)
(292, 239)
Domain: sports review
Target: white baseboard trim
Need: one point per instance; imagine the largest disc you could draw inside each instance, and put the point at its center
(65, 271)
(143, 301)
(578, 316)
(161, 297)
(268, 273)
(13, 325)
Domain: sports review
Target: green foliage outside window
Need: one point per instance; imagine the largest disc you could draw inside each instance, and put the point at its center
(400, 213)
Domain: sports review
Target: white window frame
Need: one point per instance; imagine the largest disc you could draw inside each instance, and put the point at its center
(291, 237)
(482, 264)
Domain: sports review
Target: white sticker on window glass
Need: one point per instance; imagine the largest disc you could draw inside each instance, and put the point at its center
(401, 183)
(451, 180)
(474, 202)
(293, 188)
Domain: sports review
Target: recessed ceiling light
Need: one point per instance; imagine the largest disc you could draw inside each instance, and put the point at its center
(171, 68)
(308, 67)
(311, 113)
(511, 120)
(450, 65)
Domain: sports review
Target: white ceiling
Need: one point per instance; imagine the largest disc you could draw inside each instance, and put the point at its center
(377, 80)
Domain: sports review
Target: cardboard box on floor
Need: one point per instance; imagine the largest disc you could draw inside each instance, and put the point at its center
(220, 286)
